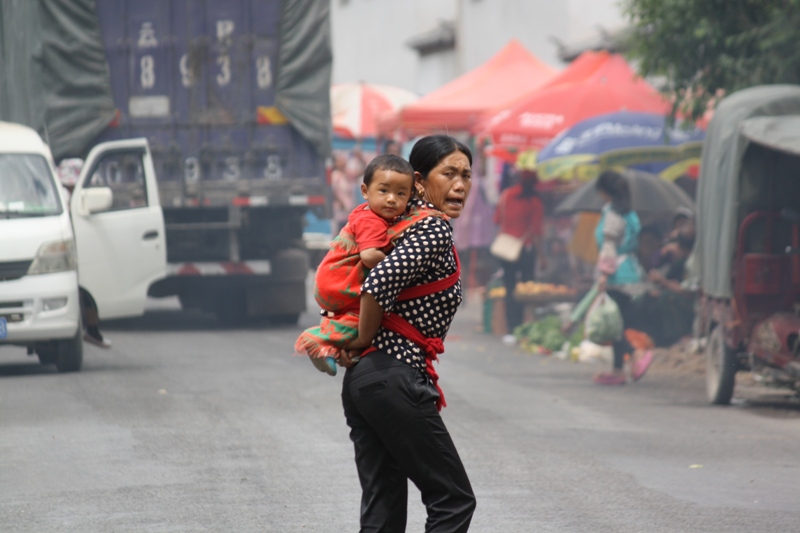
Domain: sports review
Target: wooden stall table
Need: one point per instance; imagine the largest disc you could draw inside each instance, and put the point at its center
(532, 295)
(537, 295)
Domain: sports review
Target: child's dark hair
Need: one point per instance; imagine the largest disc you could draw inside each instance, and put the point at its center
(388, 162)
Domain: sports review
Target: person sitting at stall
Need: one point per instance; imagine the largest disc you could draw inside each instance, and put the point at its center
(666, 311)
(650, 243)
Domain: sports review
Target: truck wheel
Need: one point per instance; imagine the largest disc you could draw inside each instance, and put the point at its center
(69, 353)
(231, 309)
(720, 369)
(190, 302)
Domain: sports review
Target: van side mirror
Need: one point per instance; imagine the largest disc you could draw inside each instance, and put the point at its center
(96, 199)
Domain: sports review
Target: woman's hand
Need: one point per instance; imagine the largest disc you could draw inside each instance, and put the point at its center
(656, 277)
(351, 354)
(348, 358)
(369, 322)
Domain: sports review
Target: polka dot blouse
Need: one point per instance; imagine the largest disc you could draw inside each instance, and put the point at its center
(424, 254)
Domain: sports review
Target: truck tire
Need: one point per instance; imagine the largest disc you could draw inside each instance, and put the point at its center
(291, 264)
(281, 297)
(720, 369)
(231, 308)
(189, 301)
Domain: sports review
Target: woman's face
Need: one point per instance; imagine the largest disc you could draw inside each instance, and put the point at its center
(448, 183)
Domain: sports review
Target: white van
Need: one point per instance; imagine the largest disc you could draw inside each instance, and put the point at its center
(112, 246)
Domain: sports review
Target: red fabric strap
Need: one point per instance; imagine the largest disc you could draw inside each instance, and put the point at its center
(433, 346)
(434, 286)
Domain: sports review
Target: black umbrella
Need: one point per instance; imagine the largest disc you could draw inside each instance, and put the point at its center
(650, 195)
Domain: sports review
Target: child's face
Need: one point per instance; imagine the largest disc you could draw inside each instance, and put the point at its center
(388, 193)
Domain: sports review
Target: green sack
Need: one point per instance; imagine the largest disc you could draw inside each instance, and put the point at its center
(604, 320)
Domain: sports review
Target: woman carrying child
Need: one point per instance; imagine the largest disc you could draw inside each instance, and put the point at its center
(390, 391)
(388, 185)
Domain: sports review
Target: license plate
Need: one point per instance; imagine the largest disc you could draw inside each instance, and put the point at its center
(3, 328)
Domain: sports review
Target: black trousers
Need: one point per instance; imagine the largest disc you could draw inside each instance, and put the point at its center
(399, 435)
(524, 269)
(622, 346)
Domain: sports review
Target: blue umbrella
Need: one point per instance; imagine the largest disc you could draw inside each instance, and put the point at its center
(628, 139)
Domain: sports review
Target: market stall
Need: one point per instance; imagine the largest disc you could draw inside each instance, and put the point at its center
(457, 106)
(596, 83)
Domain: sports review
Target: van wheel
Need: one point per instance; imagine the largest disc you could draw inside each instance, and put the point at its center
(69, 353)
(720, 369)
(47, 353)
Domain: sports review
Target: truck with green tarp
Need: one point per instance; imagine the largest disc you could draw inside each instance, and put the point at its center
(233, 99)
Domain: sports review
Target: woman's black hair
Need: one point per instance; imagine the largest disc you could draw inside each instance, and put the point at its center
(388, 162)
(429, 152)
(528, 184)
(616, 186)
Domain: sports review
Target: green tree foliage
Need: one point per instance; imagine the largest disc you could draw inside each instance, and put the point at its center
(705, 48)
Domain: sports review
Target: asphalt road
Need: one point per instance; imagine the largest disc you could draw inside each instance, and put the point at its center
(186, 426)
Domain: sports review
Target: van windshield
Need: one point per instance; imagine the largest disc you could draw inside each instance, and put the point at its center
(27, 188)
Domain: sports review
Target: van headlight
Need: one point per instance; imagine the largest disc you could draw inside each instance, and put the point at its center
(56, 256)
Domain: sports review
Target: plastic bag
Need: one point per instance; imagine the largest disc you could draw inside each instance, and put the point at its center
(604, 320)
(589, 352)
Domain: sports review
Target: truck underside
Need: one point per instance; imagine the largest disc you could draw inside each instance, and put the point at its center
(237, 262)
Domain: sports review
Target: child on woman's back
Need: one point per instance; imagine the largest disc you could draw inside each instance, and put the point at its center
(387, 187)
(364, 241)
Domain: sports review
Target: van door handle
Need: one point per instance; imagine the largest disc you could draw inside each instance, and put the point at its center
(150, 235)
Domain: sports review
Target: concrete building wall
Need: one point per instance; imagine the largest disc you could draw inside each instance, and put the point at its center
(487, 25)
(370, 36)
(435, 70)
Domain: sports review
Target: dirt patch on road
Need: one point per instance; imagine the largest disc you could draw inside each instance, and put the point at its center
(751, 391)
(681, 358)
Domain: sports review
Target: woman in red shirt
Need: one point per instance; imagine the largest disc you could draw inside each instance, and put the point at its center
(519, 213)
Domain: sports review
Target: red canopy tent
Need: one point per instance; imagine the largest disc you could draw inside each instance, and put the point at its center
(457, 106)
(595, 83)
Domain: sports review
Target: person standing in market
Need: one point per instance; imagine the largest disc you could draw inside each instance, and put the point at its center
(619, 273)
(520, 213)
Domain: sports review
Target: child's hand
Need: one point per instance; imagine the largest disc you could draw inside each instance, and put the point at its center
(371, 257)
